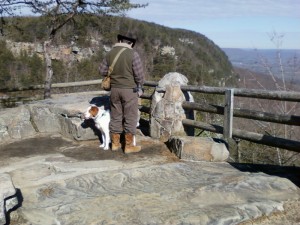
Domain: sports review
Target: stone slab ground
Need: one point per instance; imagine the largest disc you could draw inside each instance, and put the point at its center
(74, 182)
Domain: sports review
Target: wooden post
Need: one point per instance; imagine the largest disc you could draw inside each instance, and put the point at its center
(228, 113)
(228, 118)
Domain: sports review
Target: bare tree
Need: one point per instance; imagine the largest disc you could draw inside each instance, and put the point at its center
(277, 78)
(60, 12)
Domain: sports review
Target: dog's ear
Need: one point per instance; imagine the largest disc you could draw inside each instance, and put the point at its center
(94, 110)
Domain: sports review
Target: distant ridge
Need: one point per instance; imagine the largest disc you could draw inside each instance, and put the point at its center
(266, 61)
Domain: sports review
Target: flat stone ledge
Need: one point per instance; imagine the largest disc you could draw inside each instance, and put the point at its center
(198, 149)
(149, 187)
(8, 198)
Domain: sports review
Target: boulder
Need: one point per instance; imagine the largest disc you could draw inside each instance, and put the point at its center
(16, 123)
(198, 149)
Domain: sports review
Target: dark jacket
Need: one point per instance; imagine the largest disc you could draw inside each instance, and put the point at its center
(128, 71)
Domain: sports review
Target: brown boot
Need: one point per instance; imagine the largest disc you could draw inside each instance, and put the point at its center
(115, 141)
(129, 147)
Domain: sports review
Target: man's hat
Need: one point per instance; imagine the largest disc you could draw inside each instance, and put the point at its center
(122, 37)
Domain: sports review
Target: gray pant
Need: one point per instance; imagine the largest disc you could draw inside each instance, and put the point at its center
(124, 110)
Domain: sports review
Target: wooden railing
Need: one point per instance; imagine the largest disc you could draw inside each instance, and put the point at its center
(228, 111)
(57, 85)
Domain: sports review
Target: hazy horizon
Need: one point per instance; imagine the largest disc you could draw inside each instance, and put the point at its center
(230, 23)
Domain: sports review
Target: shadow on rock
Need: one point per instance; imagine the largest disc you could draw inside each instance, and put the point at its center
(82, 151)
(101, 101)
(19, 198)
(290, 172)
(90, 123)
(32, 146)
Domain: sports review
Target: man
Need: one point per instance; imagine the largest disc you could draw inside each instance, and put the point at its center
(127, 79)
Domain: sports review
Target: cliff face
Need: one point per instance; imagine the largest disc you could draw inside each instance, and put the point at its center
(162, 49)
(66, 53)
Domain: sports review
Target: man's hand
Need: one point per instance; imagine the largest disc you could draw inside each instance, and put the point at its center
(139, 90)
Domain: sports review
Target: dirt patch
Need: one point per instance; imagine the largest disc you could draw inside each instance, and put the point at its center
(33, 146)
(79, 150)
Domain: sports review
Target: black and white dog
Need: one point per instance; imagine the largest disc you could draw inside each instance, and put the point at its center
(101, 119)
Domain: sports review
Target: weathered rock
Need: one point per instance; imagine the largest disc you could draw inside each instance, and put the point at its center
(166, 107)
(198, 149)
(50, 116)
(8, 198)
(76, 128)
(64, 186)
(147, 190)
(16, 124)
(65, 53)
(44, 119)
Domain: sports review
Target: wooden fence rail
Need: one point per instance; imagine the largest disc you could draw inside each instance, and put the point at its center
(248, 136)
(57, 85)
(245, 113)
(250, 93)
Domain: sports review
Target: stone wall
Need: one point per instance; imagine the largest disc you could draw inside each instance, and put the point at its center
(59, 115)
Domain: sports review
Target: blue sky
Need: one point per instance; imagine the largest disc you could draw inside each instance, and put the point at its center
(229, 23)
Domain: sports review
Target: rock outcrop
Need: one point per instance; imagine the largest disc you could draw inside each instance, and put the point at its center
(69, 182)
(64, 181)
(198, 149)
(65, 53)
